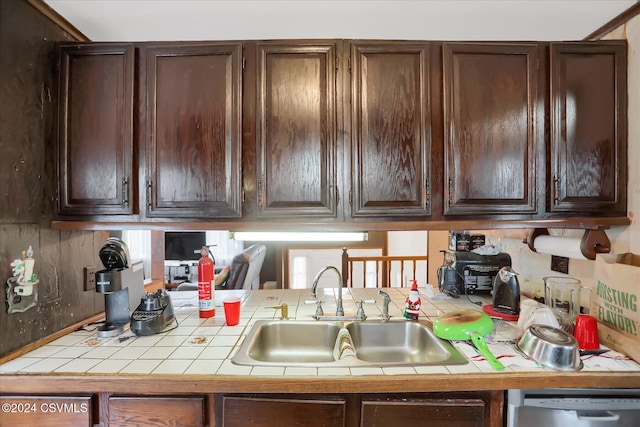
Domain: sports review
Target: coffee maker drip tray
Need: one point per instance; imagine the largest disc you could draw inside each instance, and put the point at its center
(109, 330)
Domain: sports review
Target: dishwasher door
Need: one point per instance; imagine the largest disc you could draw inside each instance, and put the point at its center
(573, 407)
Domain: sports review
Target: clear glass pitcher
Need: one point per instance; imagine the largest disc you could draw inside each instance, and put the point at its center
(563, 296)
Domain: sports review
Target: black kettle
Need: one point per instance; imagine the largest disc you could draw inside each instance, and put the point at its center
(506, 292)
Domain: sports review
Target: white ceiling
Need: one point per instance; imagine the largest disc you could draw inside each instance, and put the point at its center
(144, 20)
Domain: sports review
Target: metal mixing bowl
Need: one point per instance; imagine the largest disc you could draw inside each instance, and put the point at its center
(551, 347)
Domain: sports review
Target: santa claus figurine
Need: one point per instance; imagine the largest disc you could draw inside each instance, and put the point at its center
(412, 303)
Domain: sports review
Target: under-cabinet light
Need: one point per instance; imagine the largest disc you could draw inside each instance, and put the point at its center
(275, 236)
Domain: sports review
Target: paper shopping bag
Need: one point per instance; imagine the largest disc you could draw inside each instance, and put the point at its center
(615, 302)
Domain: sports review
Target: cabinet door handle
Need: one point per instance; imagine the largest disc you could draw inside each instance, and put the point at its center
(428, 191)
(337, 196)
(260, 193)
(556, 190)
(125, 190)
(450, 192)
(149, 193)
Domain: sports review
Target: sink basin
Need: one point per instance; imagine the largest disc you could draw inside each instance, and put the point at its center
(401, 343)
(375, 343)
(293, 342)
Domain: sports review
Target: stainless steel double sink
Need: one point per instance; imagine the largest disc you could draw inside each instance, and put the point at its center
(368, 343)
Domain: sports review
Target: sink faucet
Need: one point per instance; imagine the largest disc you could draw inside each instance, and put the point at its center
(314, 286)
(385, 305)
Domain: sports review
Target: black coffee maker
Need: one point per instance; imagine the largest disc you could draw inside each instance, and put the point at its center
(112, 282)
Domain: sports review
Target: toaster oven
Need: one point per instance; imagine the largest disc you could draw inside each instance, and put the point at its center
(469, 273)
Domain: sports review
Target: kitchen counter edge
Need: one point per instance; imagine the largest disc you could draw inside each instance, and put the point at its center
(189, 384)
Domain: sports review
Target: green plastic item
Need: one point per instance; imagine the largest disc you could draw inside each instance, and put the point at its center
(464, 325)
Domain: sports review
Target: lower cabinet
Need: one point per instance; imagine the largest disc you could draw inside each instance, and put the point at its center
(278, 411)
(450, 409)
(156, 411)
(45, 411)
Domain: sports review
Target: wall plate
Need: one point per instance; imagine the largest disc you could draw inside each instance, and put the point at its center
(560, 264)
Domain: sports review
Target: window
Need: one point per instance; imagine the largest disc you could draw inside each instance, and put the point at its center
(304, 265)
(139, 243)
(299, 273)
(370, 278)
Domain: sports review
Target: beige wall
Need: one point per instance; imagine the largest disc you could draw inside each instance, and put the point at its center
(438, 240)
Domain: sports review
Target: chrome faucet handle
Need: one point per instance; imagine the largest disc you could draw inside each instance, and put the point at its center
(386, 299)
(360, 313)
(319, 311)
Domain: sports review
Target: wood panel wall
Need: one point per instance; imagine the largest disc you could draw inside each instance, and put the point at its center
(27, 181)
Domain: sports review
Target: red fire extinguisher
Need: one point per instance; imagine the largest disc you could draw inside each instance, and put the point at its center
(205, 284)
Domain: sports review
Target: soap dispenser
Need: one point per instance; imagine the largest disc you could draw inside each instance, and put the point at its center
(412, 303)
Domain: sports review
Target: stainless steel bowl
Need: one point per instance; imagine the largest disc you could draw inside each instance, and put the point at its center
(551, 347)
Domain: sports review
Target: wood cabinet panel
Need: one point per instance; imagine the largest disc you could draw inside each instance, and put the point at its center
(193, 130)
(296, 117)
(391, 129)
(95, 129)
(452, 412)
(436, 131)
(156, 411)
(588, 127)
(458, 409)
(46, 411)
(277, 412)
(491, 138)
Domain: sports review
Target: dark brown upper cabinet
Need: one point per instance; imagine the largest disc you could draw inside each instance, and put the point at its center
(193, 130)
(490, 132)
(96, 175)
(390, 129)
(296, 129)
(588, 120)
(328, 131)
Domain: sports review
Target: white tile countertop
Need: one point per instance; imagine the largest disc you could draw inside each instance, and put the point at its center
(206, 346)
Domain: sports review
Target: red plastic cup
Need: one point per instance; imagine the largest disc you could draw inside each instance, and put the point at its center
(586, 332)
(232, 311)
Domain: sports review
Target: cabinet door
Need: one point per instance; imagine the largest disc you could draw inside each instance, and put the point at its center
(46, 411)
(156, 411)
(472, 410)
(296, 117)
(390, 130)
(193, 130)
(95, 130)
(490, 138)
(588, 128)
(240, 411)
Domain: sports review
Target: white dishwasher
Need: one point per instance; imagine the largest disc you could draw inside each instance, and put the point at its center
(573, 407)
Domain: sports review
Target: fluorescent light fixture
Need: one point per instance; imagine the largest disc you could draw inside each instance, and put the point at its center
(277, 236)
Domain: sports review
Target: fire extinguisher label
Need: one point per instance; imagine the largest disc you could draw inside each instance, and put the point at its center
(206, 305)
(205, 295)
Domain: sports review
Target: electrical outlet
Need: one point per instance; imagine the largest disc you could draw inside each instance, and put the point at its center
(560, 264)
(90, 278)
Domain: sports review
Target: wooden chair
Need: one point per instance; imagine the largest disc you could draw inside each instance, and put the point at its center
(383, 267)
